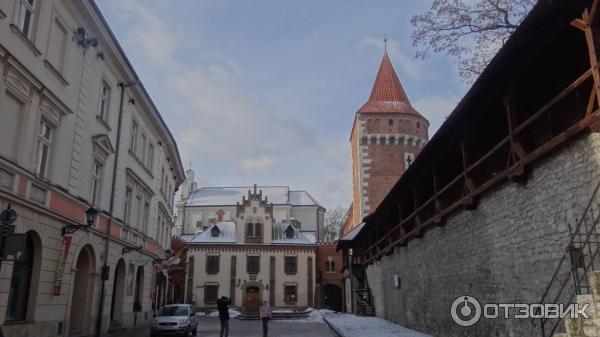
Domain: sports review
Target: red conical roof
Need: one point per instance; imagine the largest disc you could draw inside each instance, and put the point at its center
(387, 95)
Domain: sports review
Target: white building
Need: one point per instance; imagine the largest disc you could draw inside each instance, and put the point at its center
(65, 88)
(250, 244)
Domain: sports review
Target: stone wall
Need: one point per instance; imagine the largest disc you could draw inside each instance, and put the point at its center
(505, 251)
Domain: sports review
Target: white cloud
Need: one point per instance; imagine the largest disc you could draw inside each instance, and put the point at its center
(262, 163)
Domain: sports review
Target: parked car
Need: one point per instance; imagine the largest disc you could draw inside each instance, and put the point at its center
(175, 320)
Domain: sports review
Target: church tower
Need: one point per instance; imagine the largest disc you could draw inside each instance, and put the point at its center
(387, 135)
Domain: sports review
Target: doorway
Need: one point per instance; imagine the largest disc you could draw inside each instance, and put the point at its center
(116, 306)
(252, 299)
(332, 297)
(83, 285)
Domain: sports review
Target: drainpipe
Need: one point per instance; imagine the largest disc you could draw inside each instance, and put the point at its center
(105, 268)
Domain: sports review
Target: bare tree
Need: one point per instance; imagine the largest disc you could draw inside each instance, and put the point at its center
(334, 219)
(470, 30)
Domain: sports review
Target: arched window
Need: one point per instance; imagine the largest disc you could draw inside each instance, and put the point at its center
(249, 230)
(258, 230)
(20, 291)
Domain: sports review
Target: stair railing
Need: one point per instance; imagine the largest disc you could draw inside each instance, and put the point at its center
(575, 263)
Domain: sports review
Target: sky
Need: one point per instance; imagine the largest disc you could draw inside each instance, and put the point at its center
(265, 91)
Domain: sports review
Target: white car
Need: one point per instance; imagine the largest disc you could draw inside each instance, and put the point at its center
(175, 320)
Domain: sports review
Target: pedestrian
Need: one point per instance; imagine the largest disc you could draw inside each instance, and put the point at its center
(222, 304)
(265, 316)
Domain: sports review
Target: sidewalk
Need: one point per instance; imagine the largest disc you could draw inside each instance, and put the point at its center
(140, 331)
(348, 325)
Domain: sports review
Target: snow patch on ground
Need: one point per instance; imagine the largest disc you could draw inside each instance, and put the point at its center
(232, 313)
(313, 317)
(358, 326)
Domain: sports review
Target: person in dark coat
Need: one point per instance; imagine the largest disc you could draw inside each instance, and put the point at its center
(222, 305)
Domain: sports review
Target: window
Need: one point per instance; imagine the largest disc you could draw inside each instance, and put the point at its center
(290, 294)
(150, 156)
(138, 206)
(57, 45)
(18, 293)
(215, 231)
(104, 101)
(210, 294)
(96, 186)
(143, 149)
(134, 135)
(254, 233)
(25, 17)
(249, 230)
(252, 264)
(127, 206)
(258, 230)
(146, 216)
(44, 143)
(390, 122)
(162, 180)
(212, 264)
(330, 265)
(291, 264)
(289, 233)
(418, 125)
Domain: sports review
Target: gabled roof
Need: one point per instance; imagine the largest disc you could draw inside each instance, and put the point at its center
(226, 234)
(387, 95)
(280, 235)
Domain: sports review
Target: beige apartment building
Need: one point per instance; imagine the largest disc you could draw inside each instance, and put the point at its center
(66, 90)
(245, 244)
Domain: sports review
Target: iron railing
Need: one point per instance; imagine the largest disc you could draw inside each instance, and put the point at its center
(576, 262)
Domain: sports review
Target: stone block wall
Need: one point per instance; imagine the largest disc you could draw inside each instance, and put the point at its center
(504, 251)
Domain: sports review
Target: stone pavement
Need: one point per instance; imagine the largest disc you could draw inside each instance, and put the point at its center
(209, 327)
(348, 325)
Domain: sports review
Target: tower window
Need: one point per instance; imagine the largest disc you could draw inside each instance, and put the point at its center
(418, 125)
(391, 122)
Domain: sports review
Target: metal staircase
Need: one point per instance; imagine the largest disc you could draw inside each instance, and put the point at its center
(574, 279)
(362, 292)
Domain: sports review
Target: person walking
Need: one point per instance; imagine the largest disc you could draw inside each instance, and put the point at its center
(265, 316)
(222, 305)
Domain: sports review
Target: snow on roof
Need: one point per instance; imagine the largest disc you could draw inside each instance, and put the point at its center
(230, 196)
(302, 198)
(226, 234)
(312, 236)
(280, 235)
(352, 234)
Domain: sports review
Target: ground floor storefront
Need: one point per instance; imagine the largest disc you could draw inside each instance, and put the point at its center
(53, 288)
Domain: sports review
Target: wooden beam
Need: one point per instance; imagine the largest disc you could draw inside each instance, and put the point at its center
(468, 200)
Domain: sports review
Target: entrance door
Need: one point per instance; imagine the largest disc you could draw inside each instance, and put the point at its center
(252, 299)
(116, 308)
(82, 285)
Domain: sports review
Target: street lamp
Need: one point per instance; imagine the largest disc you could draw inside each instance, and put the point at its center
(90, 217)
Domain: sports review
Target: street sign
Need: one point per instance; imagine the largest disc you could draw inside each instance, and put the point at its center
(139, 260)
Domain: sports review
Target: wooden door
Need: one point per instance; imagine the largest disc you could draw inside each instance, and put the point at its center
(252, 299)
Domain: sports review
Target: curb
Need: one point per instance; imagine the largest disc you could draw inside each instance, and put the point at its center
(333, 328)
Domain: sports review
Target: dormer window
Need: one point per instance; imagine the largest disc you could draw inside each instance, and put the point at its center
(289, 233)
(215, 231)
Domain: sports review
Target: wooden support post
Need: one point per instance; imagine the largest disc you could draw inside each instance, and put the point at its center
(438, 219)
(416, 213)
(516, 154)
(469, 186)
(592, 39)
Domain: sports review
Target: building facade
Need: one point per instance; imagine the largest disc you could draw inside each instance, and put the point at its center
(330, 281)
(253, 250)
(72, 106)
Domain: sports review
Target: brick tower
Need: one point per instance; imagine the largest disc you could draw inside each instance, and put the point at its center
(386, 136)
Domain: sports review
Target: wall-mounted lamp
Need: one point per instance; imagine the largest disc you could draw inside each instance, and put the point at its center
(83, 40)
(90, 217)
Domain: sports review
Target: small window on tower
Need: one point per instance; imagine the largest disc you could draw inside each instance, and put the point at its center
(418, 125)
(391, 122)
(364, 140)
